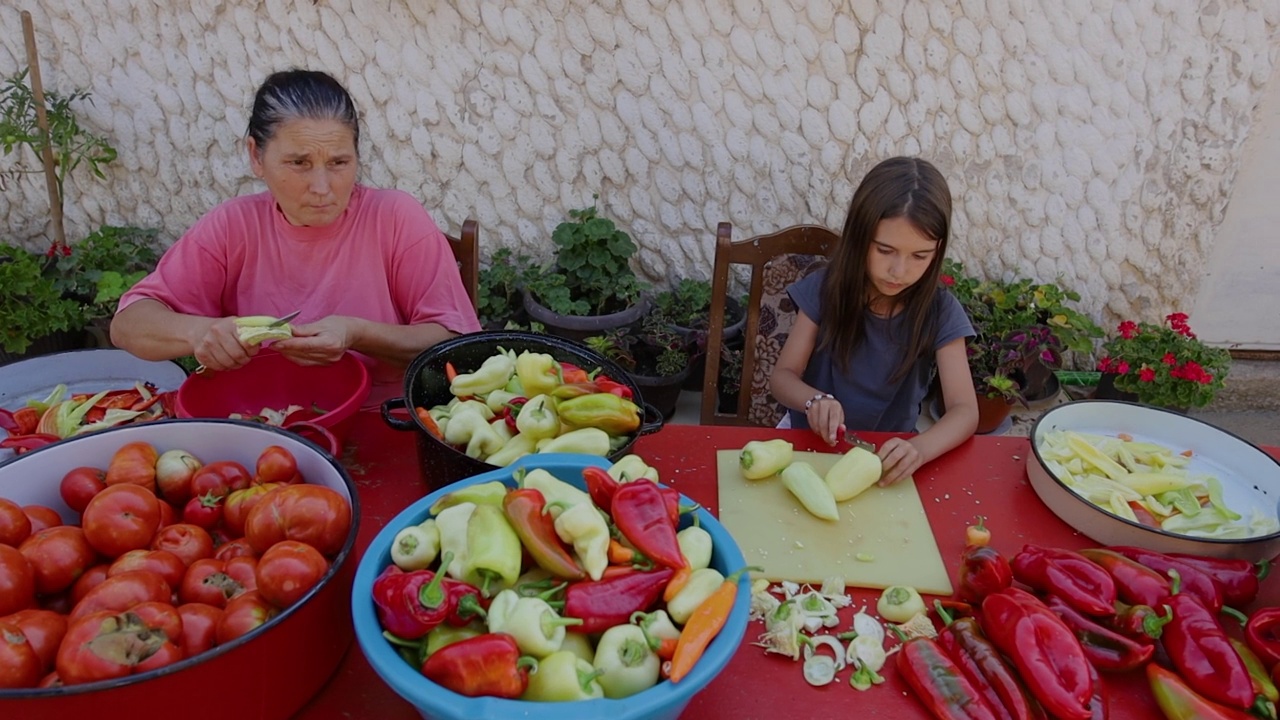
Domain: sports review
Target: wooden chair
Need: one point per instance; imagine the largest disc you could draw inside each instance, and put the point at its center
(466, 249)
(775, 261)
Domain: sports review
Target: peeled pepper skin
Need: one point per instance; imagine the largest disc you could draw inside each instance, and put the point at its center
(610, 413)
(761, 458)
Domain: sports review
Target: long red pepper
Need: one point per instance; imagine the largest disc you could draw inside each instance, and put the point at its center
(1177, 700)
(1194, 580)
(600, 486)
(488, 664)
(1107, 650)
(1100, 703)
(605, 603)
(1043, 649)
(1262, 634)
(537, 531)
(31, 441)
(981, 664)
(939, 684)
(983, 570)
(1202, 653)
(1136, 584)
(640, 512)
(1068, 575)
(1238, 578)
(1140, 622)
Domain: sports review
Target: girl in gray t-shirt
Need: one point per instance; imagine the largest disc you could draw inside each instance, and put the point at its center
(875, 322)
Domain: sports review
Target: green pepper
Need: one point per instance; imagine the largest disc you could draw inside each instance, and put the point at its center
(587, 441)
(452, 524)
(517, 447)
(446, 634)
(625, 661)
(761, 458)
(493, 550)
(538, 630)
(539, 373)
(559, 494)
(487, 493)
(563, 676)
(613, 414)
(583, 527)
(538, 418)
(632, 467)
(492, 374)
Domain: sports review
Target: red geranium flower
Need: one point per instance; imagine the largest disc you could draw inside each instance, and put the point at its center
(1146, 374)
(1128, 329)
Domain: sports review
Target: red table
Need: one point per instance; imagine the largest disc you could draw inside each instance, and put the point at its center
(984, 476)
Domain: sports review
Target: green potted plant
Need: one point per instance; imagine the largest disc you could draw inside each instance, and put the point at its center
(1163, 365)
(589, 286)
(656, 356)
(34, 314)
(687, 306)
(96, 271)
(499, 303)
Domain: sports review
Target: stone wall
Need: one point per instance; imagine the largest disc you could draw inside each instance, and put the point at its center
(1096, 140)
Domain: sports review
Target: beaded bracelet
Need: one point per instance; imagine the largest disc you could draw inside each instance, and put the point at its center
(820, 396)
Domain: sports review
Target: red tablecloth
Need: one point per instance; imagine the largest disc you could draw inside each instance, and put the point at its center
(984, 476)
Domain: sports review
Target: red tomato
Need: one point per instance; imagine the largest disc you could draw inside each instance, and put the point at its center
(235, 548)
(313, 514)
(242, 615)
(17, 581)
(199, 627)
(120, 592)
(105, 645)
(58, 555)
(88, 581)
(188, 542)
(80, 485)
(41, 517)
(215, 582)
(134, 464)
(240, 502)
(160, 616)
(220, 478)
(20, 666)
(288, 570)
(162, 562)
(44, 630)
(121, 518)
(15, 526)
(167, 514)
(276, 465)
(204, 511)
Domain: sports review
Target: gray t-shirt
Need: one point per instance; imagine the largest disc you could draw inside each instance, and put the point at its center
(869, 400)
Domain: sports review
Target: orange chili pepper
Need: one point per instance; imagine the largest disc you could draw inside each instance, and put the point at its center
(449, 372)
(677, 583)
(424, 417)
(134, 463)
(703, 626)
(620, 554)
(667, 648)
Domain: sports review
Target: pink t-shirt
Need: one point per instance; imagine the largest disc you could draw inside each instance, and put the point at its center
(384, 260)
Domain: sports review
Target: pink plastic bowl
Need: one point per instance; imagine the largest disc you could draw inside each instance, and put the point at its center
(273, 381)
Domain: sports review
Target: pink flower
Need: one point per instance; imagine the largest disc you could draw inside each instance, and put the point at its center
(947, 280)
(1128, 329)
(1168, 359)
(1122, 367)
(1104, 364)
(1146, 374)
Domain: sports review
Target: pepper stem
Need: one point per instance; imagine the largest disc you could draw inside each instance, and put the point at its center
(399, 641)
(1153, 625)
(1264, 569)
(943, 614)
(469, 606)
(432, 595)
(1239, 616)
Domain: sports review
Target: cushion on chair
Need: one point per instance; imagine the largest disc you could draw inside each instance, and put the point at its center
(777, 314)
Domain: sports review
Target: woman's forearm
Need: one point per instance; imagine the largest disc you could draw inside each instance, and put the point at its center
(150, 330)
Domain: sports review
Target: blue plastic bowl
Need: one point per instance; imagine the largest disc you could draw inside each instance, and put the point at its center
(664, 700)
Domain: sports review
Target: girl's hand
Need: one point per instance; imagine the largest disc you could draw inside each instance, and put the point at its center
(219, 348)
(319, 343)
(899, 458)
(826, 418)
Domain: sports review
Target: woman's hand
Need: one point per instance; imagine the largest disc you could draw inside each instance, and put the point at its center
(319, 343)
(826, 418)
(898, 458)
(219, 347)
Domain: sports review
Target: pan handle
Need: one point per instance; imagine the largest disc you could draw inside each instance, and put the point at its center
(396, 423)
(316, 433)
(648, 425)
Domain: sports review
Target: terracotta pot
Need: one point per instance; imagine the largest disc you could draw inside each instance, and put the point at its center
(992, 412)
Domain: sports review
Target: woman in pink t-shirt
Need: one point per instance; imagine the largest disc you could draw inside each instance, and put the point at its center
(368, 269)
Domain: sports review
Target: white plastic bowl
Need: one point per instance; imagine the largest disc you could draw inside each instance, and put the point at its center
(1250, 477)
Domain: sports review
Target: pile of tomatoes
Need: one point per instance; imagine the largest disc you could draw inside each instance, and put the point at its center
(172, 557)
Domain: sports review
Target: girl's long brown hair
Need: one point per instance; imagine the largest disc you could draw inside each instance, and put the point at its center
(903, 187)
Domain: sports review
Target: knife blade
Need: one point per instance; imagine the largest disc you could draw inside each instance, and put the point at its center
(281, 321)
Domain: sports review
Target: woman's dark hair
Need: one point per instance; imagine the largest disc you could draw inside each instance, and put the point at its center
(899, 187)
(300, 94)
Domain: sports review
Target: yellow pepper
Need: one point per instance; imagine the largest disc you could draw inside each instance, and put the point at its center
(810, 489)
(583, 527)
(486, 493)
(498, 399)
(538, 418)
(701, 584)
(632, 467)
(853, 473)
(588, 441)
(257, 329)
(517, 447)
(468, 426)
(613, 414)
(493, 550)
(539, 373)
(452, 523)
(761, 458)
(559, 494)
(492, 374)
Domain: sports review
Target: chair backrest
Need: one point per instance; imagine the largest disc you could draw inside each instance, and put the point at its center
(466, 250)
(775, 261)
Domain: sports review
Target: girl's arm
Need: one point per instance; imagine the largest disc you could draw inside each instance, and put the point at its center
(825, 415)
(902, 456)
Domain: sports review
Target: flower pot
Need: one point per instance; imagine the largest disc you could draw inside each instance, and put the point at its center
(1040, 382)
(58, 341)
(731, 332)
(581, 327)
(662, 392)
(991, 413)
(1107, 390)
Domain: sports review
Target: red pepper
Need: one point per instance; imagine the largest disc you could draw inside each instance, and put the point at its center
(24, 443)
(466, 601)
(411, 604)
(1135, 583)
(640, 512)
(1203, 656)
(571, 374)
(1177, 700)
(1140, 622)
(1106, 649)
(28, 419)
(511, 410)
(981, 664)
(983, 570)
(1067, 574)
(1262, 633)
(604, 603)
(537, 531)
(1238, 578)
(488, 664)
(1099, 705)
(1043, 649)
(1194, 580)
(600, 486)
(939, 683)
(7, 423)
(607, 384)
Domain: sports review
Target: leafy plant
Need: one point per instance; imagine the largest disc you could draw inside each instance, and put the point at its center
(498, 288)
(72, 144)
(1165, 365)
(652, 348)
(687, 304)
(31, 305)
(99, 269)
(591, 273)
